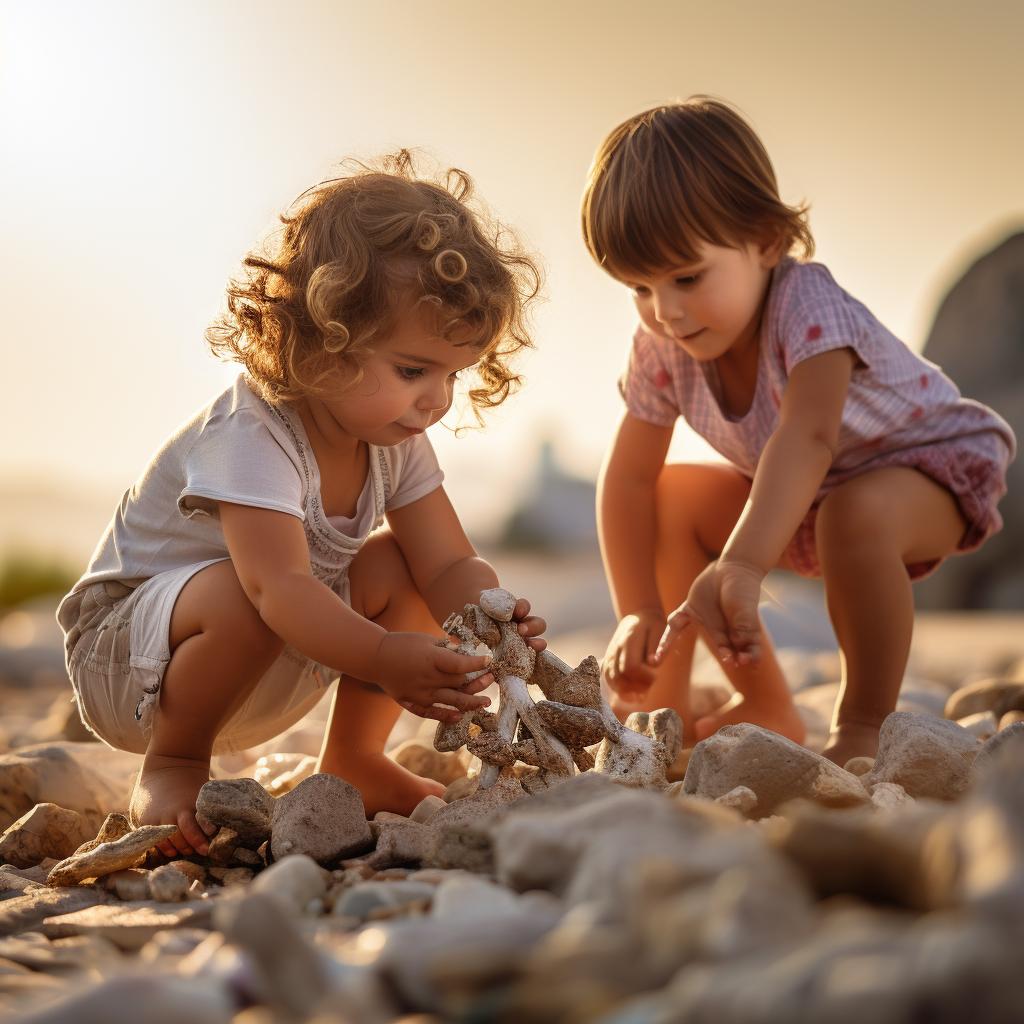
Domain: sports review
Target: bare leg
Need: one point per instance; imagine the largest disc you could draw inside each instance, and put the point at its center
(697, 508)
(362, 715)
(867, 530)
(221, 648)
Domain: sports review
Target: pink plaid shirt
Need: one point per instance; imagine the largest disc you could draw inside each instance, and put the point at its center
(898, 408)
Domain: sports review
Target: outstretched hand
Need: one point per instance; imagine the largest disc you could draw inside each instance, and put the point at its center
(723, 603)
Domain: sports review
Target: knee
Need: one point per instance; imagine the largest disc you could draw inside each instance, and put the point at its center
(850, 520)
(686, 492)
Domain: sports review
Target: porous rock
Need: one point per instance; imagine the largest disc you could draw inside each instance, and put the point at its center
(927, 756)
(127, 852)
(241, 805)
(641, 754)
(322, 817)
(45, 831)
(498, 603)
(773, 767)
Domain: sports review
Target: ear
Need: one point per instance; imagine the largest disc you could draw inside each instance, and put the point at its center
(770, 246)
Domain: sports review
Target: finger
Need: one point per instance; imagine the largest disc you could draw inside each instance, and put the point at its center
(677, 622)
(166, 849)
(193, 834)
(534, 625)
(479, 684)
(181, 844)
(521, 609)
(454, 663)
(458, 699)
(435, 713)
(537, 643)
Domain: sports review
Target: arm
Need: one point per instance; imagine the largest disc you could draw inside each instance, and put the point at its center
(723, 599)
(269, 552)
(626, 526)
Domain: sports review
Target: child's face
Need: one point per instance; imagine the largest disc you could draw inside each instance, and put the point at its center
(711, 306)
(407, 384)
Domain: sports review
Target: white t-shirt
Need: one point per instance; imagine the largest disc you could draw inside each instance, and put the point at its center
(242, 449)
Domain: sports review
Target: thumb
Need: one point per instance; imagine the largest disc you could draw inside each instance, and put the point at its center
(451, 661)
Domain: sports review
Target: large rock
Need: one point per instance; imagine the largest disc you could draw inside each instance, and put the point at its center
(127, 852)
(89, 778)
(241, 805)
(978, 339)
(322, 817)
(997, 695)
(45, 831)
(22, 913)
(927, 756)
(774, 768)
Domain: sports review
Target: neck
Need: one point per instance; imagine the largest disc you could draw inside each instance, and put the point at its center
(324, 431)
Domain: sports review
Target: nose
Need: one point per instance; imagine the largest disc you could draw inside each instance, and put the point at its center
(667, 307)
(437, 395)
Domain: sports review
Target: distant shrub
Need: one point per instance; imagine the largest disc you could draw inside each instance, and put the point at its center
(25, 576)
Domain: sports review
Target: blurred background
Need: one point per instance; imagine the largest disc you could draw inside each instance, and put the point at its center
(146, 146)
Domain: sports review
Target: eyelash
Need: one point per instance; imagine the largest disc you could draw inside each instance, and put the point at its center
(410, 373)
(682, 281)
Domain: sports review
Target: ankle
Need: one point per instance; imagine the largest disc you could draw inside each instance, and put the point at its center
(155, 761)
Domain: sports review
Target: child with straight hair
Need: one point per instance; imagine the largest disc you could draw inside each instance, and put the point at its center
(247, 568)
(849, 456)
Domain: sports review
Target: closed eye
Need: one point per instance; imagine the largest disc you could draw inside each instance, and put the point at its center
(409, 372)
(693, 279)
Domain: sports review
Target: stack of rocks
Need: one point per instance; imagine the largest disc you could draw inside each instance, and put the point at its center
(768, 886)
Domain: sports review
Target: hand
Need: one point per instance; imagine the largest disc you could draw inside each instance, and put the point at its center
(530, 626)
(628, 664)
(723, 602)
(419, 675)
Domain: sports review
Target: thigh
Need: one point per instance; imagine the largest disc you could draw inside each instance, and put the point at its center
(702, 501)
(213, 599)
(895, 505)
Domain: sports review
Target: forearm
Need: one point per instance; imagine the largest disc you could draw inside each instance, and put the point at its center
(458, 585)
(626, 528)
(307, 614)
(789, 473)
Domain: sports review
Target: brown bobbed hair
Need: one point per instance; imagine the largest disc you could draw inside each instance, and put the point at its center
(352, 256)
(676, 176)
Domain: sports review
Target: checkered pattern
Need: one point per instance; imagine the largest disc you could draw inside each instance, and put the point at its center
(900, 409)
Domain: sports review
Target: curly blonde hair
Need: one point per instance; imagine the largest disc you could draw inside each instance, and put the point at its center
(672, 177)
(353, 252)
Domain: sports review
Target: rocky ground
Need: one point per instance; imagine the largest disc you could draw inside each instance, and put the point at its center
(764, 885)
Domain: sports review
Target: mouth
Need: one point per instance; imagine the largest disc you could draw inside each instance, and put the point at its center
(411, 430)
(696, 334)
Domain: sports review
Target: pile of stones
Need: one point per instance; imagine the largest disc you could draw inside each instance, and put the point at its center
(768, 886)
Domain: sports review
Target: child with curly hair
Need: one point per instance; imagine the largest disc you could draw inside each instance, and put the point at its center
(246, 569)
(850, 457)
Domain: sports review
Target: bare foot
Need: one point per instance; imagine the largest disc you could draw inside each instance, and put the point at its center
(851, 739)
(781, 718)
(165, 794)
(383, 784)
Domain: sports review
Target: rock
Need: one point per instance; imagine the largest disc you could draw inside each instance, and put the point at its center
(995, 694)
(15, 881)
(89, 778)
(177, 942)
(876, 857)
(498, 603)
(775, 768)
(21, 913)
(1009, 718)
(232, 876)
(429, 763)
(859, 766)
(291, 975)
(45, 831)
(324, 818)
(888, 796)
(223, 846)
(426, 808)
(115, 826)
(168, 884)
(131, 884)
(128, 927)
(154, 999)
(36, 951)
(460, 788)
(740, 799)
(643, 751)
(281, 773)
(1010, 737)
(927, 756)
(471, 898)
(241, 805)
(297, 880)
(363, 897)
(127, 852)
(980, 725)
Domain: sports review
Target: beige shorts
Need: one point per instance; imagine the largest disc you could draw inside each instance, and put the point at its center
(117, 647)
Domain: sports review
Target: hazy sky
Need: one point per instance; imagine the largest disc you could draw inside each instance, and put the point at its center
(145, 145)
